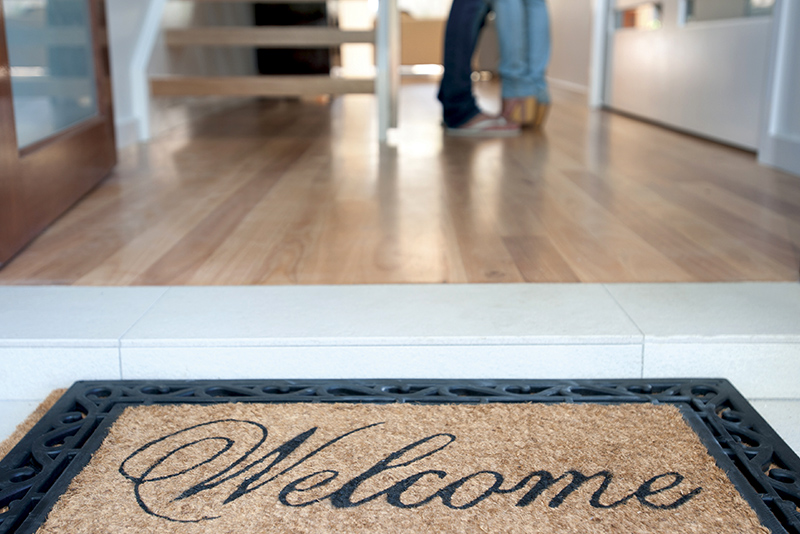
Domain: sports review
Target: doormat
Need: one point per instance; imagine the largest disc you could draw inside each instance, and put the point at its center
(24, 427)
(386, 457)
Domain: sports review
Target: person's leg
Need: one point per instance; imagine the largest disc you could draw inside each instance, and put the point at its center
(461, 37)
(512, 29)
(535, 108)
(523, 29)
(538, 20)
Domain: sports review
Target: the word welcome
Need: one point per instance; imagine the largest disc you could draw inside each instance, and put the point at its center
(248, 471)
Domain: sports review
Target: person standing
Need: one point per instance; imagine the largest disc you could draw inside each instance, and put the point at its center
(461, 114)
(523, 29)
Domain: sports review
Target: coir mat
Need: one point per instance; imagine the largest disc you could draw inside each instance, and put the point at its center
(392, 457)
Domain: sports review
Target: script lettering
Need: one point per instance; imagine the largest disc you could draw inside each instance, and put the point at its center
(227, 464)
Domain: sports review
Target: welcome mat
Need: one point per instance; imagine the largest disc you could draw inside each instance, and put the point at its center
(388, 456)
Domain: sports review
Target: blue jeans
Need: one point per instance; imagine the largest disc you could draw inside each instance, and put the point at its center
(461, 36)
(523, 33)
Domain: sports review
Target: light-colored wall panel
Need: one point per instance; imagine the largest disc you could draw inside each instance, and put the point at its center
(780, 139)
(757, 370)
(706, 78)
(503, 361)
(571, 24)
(719, 9)
(789, 118)
(33, 372)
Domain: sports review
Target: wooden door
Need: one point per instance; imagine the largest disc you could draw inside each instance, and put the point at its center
(56, 122)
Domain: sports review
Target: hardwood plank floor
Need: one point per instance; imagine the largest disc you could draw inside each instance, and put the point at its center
(299, 192)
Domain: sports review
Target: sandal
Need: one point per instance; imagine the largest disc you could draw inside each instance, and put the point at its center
(527, 111)
(542, 110)
(489, 127)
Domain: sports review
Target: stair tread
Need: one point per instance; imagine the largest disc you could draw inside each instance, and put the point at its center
(273, 36)
(275, 85)
(261, 1)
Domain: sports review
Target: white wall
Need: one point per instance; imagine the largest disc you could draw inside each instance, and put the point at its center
(707, 78)
(571, 25)
(780, 142)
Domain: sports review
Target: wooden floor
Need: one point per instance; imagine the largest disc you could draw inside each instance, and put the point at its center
(299, 192)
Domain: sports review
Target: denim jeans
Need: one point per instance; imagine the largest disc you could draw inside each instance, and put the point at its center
(461, 36)
(523, 33)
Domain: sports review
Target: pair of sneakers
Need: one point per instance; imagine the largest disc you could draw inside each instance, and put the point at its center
(517, 113)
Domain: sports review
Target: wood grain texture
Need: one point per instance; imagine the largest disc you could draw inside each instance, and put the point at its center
(297, 191)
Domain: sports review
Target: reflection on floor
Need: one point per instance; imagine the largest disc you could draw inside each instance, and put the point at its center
(300, 192)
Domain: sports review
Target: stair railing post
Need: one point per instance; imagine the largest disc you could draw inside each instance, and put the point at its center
(387, 79)
(140, 85)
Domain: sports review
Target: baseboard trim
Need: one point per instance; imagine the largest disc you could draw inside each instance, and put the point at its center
(127, 131)
(569, 86)
(781, 152)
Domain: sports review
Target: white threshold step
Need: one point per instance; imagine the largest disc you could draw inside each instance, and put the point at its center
(748, 333)
(273, 85)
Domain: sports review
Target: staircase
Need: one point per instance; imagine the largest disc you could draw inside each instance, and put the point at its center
(384, 84)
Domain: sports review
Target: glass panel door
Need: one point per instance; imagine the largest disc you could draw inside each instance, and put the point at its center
(52, 66)
(56, 114)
